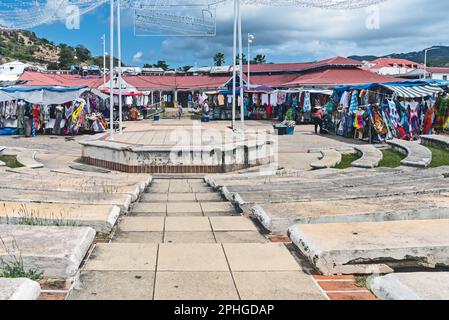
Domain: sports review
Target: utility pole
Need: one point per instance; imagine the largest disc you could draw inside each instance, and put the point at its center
(111, 67)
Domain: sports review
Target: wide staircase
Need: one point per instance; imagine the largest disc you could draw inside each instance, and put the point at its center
(183, 241)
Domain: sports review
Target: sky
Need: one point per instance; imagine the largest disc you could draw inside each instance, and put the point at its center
(282, 34)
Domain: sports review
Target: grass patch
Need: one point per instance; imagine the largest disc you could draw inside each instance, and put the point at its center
(347, 160)
(11, 162)
(391, 159)
(440, 157)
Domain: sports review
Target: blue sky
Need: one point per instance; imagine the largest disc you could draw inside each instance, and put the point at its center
(283, 34)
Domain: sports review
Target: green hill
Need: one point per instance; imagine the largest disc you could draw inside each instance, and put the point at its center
(435, 58)
(26, 46)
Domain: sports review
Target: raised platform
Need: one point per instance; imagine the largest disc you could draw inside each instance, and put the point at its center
(178, 150)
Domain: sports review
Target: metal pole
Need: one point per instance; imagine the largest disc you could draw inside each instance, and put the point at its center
(111, 71)
(104, 58)
(242, 113)
(234, 71)
(119, 44)
(249, 61)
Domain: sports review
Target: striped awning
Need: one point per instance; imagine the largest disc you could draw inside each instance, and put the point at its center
(414, 91)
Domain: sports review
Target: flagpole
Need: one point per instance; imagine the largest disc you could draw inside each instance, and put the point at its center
(111, 71)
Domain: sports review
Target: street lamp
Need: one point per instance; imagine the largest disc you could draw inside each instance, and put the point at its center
(425, 59)
(250, 41)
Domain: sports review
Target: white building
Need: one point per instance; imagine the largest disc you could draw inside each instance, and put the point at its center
(439, 73)
(11, 71)
(391, 67)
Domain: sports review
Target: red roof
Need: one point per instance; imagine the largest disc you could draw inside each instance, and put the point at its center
(437, 70)
(292, 67)
(34, 79)
(390, 62)
(176, 82)
(340, 77)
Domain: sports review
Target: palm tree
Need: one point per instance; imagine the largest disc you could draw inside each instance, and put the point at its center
(219, 59)
(260, 59)
(244, 60)
(161, 64)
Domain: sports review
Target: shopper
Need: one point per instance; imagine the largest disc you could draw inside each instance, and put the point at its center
(317, 116)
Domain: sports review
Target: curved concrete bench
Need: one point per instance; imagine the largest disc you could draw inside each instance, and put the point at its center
(437, 141)
(417, 155)
(371, 157)
(28, 159)
(330, 159)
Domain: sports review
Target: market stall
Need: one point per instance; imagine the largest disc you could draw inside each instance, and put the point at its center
(51, 110)
(380, 112)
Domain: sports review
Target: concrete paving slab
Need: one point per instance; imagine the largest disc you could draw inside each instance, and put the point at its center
(232, 224)
(371, 157)
(56, 251)
(185, 214)
(154, 197)
(189, 237)
(411, 286)
(150, 208)
(179, 187)
(181, 197)
(187, 224)
(123, 257)
(277, 286)
(114, 285)
(19, 289)
(360, 247)
(259, 257)
(417, 155)
(239, 237)
(191, 257)
(208, 197)
(195, 286)
(202, 189)
(185, 207)
(217, 207)
(142, 224)
(100, 217)
(138, 237)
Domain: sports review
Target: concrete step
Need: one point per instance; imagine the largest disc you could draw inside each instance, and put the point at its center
(29, 196)
(56, 251)
(19, 289)
(437, 141)
(330, 158)
(371, 157)
(371, 247)
(278, 217)
(411, 286)
(417, 155)
(102, 218)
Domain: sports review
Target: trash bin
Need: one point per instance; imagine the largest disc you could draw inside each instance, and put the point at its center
(290, 131)
(156, 117)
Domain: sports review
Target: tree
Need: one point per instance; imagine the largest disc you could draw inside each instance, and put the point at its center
(219, 59)
(82, 53)
(259, 59)
(161, 64)
(66, 56)
(245, 61)
(185, 68)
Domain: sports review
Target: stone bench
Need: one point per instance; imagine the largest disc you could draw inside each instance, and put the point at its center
(373, 247)
(417, 155)
(437, 141)
(371, 157)
(55, 251)
(19, 289)
(330, 158)
(411, 286)
(28, 159)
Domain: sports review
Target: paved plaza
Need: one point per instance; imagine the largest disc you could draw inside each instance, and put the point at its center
(282, 231)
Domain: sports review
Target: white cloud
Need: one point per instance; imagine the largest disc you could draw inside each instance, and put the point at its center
(138, 56)
(298, 34)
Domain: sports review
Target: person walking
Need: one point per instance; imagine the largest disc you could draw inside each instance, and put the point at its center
(180, 111)
(317, 116)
